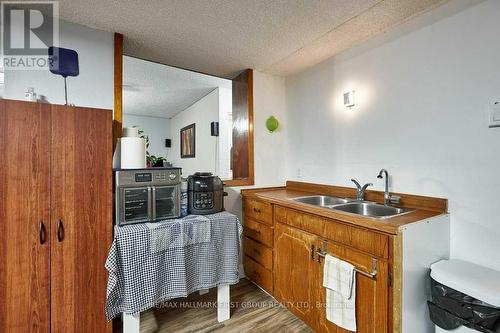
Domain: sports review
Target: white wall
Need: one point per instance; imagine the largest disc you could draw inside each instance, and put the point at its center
(92, 88)
(269, 100)
(157, 129)
(202, 113)
(421, 112)
(225, 132)
(269, 155)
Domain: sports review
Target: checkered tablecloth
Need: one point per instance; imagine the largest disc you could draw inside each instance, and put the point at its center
(154, 262)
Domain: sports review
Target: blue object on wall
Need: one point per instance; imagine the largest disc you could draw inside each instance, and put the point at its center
(63, 62)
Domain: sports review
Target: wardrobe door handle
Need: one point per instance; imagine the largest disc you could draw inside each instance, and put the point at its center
(41, 233)
(60, 231)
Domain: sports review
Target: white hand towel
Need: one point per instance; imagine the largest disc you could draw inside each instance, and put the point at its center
(338, 276)
(339, 279)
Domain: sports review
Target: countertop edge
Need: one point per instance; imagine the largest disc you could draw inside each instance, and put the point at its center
(392, 226)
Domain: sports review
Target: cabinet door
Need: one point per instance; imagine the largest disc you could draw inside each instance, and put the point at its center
(81, 218)
(24, 216)
(294, 271)
(371, 293)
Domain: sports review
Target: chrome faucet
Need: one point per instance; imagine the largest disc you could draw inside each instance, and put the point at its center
(360, 189)
(388, 198)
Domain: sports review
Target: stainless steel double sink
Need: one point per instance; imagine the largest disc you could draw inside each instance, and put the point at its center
(353, 206)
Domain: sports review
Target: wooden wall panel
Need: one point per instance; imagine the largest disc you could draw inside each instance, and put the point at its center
(242, 154)
(24, 205)
(118, 88)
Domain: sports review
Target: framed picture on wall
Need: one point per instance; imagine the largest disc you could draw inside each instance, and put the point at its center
(188, 140)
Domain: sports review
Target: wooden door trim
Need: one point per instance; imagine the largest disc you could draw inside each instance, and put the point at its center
(118, 88)
(250, 180)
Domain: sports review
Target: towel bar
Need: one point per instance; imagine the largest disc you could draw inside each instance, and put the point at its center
(371, 275)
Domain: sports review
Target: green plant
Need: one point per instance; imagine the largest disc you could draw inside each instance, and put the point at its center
(151, 160)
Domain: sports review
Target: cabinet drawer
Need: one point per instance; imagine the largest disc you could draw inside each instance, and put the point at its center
(259, 210)
(258, 274)
(359, 238)
(258, 252)
(371, 242)
(258, 232)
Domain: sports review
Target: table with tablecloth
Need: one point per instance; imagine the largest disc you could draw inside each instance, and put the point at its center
(150, 263)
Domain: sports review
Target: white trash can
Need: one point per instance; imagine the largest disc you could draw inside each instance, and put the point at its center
(461, 329)
(465, 297)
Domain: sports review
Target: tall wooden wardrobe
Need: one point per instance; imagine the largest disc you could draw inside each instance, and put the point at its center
(55, 217)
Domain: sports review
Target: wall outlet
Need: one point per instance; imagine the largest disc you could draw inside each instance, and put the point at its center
(494, 115)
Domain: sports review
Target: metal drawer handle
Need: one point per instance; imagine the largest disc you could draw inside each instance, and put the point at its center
(60, 231)
(42, 233)
(257, 251)
(312, 252)
(257, 210)
(256, 274)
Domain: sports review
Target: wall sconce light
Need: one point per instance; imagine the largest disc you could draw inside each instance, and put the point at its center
(349, 99)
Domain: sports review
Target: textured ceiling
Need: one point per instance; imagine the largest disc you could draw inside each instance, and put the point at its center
(151, 89)
(222, 37)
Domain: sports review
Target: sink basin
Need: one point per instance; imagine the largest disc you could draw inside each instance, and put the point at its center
(371, 209)
(322, 200)
(353, 206)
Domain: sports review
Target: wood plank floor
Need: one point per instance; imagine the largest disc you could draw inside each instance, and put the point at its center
(253, 311)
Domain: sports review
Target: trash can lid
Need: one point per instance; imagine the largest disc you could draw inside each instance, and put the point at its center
(480, 282)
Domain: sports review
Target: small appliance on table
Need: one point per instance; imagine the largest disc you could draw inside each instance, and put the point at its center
(147, 195)
(205, 193)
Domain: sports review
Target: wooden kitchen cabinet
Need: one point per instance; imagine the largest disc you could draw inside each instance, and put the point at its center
(260, 211)
(258, 274)
(258, 242)
(55, 217)
(400, 250)
(372, 306)
(24, 217)
(258, 252)
(81, 217)
(299, 280)
(294, 271)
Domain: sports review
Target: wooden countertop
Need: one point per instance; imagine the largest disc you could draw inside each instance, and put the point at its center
(424, 207)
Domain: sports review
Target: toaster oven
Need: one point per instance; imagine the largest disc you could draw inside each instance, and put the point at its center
(147, 195)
